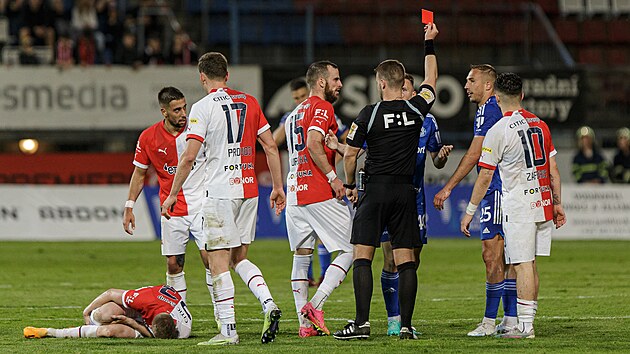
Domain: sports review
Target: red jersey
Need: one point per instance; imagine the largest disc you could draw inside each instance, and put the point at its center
(157, 147)
(306, 183)
(151, 301)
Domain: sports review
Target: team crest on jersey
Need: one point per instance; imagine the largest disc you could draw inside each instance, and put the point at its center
(353, 129)
(427, 95)
(423, 132)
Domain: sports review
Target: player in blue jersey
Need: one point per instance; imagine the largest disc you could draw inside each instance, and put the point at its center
(299, 92)
(500, 279)
(430, 141)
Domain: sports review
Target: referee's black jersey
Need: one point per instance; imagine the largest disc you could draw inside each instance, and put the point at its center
(391, 130)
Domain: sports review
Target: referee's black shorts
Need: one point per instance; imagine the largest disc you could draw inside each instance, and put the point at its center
(391, 205)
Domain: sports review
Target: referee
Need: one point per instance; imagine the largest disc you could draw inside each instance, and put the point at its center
(391, 129)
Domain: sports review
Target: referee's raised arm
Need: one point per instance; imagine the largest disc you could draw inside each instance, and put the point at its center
(430, 60)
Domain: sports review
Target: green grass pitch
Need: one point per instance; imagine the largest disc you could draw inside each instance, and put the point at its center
(584, 303)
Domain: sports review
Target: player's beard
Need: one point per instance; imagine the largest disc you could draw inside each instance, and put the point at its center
(329, 95)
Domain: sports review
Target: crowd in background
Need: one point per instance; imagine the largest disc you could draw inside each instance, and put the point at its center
(590, 166)
(93, 32)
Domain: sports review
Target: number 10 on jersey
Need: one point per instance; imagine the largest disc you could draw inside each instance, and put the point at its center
(231, 112)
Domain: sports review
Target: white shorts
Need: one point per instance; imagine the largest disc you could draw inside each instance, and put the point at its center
(525, 241)
(175, 233)
(229, 223)
(328, 220)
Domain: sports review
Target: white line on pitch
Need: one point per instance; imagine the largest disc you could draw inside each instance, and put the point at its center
(582, 318)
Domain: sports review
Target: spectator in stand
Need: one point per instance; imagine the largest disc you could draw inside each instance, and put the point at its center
(13, 11)
(60, 17)
(183, 50)
(588, 164)
(86, 48)
(27, 54)
(127, 53)
(621, 163)
(153, 52)
(36, 21)
(85, 24)
(111, 25)
(64, 51)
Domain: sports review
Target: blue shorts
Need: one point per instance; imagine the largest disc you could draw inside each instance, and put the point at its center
(422, 221)
(490, 216)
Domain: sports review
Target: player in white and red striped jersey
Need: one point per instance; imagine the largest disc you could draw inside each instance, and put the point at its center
(314, 205)
(520, 145)
(151, 311)
(228, 123)
(161, 145)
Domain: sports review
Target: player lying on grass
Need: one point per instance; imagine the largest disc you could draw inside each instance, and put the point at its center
(153, 311)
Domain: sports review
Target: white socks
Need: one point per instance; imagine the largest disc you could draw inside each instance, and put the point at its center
(74, 332)
(252, 276)
(178, 282)
(211, 291)
(224, 298)
(335, 274)
(526, 310)
(299, 284)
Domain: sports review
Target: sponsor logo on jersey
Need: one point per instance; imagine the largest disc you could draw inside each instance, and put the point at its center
(321, 113)
(239, 167)
(486, 149)
(168, 301)
(239, 151)
(421, 150)
(298, 188)
(397, 119)
(427, 95)
(163, 150)
(243, 180)
(485, 231)
(518, 123)
(540, 203)
(353, 129)
(532, 176)
(240, 96)
(306, 173)
(299, 160)
(221, 98)
(170, 169)
(536, 190)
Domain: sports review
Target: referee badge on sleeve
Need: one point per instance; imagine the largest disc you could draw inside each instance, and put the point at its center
(427, 95)
(353, 129)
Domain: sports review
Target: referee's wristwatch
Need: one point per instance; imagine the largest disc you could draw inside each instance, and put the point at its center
(350, 186)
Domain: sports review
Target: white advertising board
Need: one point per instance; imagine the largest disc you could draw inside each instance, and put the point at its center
(69, 213)
(595, 212)
(101, 97)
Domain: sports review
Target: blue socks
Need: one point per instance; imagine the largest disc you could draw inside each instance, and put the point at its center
(389, 285)
(324, 258)
(509, 297)
(493, 298)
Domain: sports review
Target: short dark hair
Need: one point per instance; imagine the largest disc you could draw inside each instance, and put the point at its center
(410, 78)
(163, 326)
(392, 71)
(509, 84)
(297, 84)
(213, 65)
(486, 69)
(168, 94)
(318, 69)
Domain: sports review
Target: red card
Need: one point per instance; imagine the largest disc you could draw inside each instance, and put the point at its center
(427, 16)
